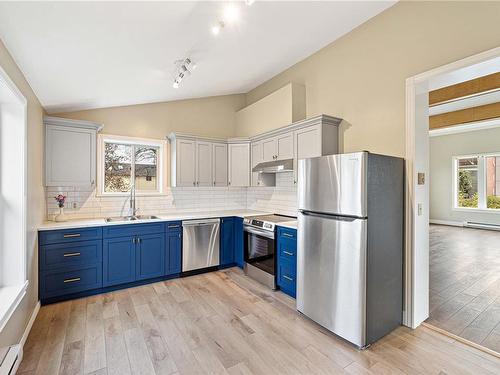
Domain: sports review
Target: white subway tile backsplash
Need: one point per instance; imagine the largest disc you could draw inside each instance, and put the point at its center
(281, 199)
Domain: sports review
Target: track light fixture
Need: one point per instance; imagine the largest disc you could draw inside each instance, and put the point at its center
(184, 68)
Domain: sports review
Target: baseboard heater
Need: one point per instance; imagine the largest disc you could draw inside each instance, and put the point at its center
(9, 360)
(473, 224)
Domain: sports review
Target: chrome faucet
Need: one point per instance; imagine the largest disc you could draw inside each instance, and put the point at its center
(133, 210)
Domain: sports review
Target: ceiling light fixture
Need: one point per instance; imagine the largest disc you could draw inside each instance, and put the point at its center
(184, 68)
(249, 2)
(217, 28)
(231, 13)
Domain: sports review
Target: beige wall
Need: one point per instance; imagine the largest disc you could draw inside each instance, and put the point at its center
(212, 116)
(442, 150)
(14, 329)
(361, 77)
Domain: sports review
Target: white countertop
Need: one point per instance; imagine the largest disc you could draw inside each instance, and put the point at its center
(86, 223)
(289, 224)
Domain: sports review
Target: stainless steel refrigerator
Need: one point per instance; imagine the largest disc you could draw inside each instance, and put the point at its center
(350, 244)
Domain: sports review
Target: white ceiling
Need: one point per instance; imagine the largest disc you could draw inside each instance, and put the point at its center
(90, 55)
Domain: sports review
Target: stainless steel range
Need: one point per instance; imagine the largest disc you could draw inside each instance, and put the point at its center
(260, 244)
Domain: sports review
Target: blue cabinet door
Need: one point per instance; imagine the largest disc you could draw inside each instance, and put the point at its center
(238, 242)
(287, 260)
(150, 256)
(227, 242)
(118, 260)
(173, 264)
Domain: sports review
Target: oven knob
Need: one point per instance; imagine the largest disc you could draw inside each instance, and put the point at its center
(269, 226)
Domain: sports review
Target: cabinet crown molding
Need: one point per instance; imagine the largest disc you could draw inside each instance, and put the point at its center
(320, 119)
(50, 120)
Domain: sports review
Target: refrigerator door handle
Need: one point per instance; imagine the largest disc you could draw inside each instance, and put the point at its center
(332, 217)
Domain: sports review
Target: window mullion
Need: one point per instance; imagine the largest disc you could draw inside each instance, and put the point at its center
(481, 182)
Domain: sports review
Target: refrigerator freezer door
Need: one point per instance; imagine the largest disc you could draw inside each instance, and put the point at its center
(334, 184)
(331, 273)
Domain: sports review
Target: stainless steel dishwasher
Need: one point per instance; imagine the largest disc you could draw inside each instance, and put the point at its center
(200, 244)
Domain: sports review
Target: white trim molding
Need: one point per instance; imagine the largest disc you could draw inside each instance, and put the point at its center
(464, 128)
(10, 298)
(416, 301)
(446, 222)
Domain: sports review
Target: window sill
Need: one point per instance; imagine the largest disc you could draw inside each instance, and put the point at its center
(477, 210)
(10, 298)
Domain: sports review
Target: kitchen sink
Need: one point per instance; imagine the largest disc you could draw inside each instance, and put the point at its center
(146, 217)
(130, 218)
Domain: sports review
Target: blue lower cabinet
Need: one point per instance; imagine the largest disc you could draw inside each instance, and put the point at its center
(287, 260)
(60, 282)
(173, 256)
(227, 242)
(72, 254)
(119, 260)
(150, 256)
(238, 242)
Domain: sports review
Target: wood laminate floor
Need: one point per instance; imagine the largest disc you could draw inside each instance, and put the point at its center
(465, 283)
(222, 323)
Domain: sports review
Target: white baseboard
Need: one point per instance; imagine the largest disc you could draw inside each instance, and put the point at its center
(447, 222)
(26, 334)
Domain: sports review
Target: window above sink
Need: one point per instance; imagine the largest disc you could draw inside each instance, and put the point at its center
(126, 162)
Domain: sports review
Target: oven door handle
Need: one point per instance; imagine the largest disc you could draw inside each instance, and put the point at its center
(259, 232)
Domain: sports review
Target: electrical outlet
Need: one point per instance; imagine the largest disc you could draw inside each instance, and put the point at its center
(74, 205)
(419, 209)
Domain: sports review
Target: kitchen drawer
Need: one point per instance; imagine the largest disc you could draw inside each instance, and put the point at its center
(57, 283)
(172, 226)
(70, 254)
(132, 229)
(287, 277)
(287, 233)
(69, 235)
(287, 248)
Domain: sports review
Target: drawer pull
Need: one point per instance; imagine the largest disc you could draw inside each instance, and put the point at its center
(173, 226)
(287, 235)
(71, 235)
(74, 280)
(287, 278)
(287, 253)
(72, 255)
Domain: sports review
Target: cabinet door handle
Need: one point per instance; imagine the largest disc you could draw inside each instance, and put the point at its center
(139, 240)
(287, 235)
(72, 235)
(179, 235)
(194, 183)
(229, 183)
(214, 183)
(74, 280)
(133, 240)
(287, 278)
(288, 253)
(71, 255)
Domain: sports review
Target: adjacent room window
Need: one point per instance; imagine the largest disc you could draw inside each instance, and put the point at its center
(131, 162)
(477, 181)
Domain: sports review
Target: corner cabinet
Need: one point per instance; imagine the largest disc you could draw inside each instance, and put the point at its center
(70, 152)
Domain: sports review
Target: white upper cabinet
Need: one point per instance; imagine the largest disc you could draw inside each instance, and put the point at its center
(284, 146)
(184, 162)
(204, 164)
(219, 164)
(308, 142)
(197, 162)
(257, 157)
(70, 152)
(239, 164)
(269, 149)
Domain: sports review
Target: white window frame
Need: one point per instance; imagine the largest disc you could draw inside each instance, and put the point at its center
(161, 167)
(481, 183)
(11, 295)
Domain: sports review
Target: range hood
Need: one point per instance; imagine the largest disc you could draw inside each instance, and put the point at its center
(275, 166)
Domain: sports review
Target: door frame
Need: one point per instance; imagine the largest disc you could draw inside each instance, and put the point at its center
(416, 268)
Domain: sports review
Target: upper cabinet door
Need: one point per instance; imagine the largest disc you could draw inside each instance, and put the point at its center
(257, 157)
(70, 156)
(239, 164)
(269, 149)
(219, 171)
(186, 162)
(308, 142)
(203, 164)
(284, 146)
